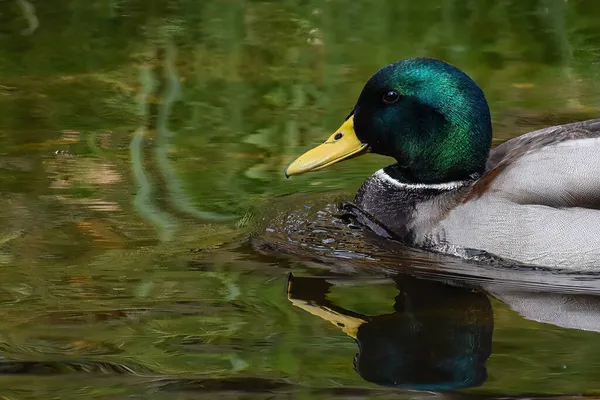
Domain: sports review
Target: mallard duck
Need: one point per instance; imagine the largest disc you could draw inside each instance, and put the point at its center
(534, 199)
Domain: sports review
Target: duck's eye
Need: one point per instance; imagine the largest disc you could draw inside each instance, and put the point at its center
(391, 97)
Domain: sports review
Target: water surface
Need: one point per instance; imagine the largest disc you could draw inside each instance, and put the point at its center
(147, 233)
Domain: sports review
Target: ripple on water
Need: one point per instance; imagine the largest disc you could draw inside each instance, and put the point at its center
(314, 230)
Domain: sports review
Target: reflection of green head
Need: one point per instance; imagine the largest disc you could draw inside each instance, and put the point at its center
(428, 115)
(439, 338)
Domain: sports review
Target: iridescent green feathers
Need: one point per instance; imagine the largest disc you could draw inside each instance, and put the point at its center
(438, 130)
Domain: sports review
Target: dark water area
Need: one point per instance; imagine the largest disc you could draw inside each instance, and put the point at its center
(151, 247)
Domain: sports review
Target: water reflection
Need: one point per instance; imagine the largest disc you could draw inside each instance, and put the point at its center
(571, 311)
(438, 337)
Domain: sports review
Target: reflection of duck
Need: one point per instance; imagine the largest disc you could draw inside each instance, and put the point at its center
(438, 337)
(567, 310)
(534, 199)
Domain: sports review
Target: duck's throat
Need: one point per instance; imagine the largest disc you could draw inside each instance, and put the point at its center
(397, 204)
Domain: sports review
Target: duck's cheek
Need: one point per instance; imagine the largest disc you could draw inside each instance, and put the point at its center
(362, 119)
(382, 131)
(382, 142)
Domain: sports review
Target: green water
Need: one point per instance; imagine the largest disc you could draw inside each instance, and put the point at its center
(147, 230)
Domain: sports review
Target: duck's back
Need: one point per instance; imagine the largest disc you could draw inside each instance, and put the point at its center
(537, 203)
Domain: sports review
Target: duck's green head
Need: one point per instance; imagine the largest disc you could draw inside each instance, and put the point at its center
(430, 116)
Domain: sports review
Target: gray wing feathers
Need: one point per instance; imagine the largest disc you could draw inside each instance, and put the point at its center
(542, 206)
(515, 148)
(566, 174)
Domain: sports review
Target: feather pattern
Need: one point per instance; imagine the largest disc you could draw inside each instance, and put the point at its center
(537, 203)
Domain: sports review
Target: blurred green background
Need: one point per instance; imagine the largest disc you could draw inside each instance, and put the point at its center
(142, 141)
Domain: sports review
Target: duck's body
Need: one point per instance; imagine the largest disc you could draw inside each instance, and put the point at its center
(538, 202)
(534, 200)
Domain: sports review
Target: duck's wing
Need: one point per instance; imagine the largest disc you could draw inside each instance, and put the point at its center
(539, 201)
(556, 167)
(518, 147)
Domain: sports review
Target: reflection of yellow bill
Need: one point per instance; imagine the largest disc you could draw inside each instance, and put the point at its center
(341, 145)
(347, 323)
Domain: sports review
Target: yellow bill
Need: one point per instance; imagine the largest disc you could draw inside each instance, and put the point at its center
(342, 145)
